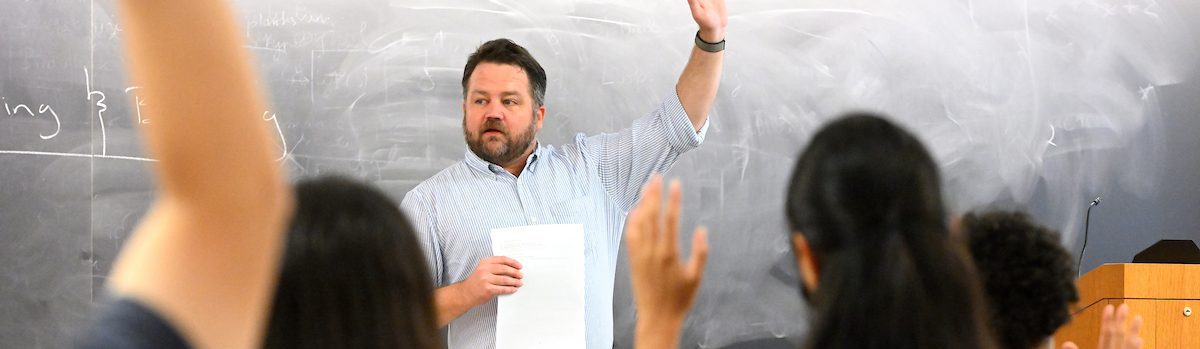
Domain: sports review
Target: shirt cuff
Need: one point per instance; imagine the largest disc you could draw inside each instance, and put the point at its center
(682, 134)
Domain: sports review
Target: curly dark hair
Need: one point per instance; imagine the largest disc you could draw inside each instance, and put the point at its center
(1028, 276)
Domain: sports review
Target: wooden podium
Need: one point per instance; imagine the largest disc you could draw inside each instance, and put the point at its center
(1166, 296)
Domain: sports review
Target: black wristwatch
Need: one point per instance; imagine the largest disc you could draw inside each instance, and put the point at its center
(713, 47)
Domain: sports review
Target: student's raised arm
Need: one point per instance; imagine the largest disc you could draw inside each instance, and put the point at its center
(206, 255)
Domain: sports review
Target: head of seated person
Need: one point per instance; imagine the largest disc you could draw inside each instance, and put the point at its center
(871, 242)
(353, 274)
(1028, 277)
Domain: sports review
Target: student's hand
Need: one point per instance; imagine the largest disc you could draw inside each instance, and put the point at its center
(493, 276)
(663, 287)
(712, 18)
(1113, 333)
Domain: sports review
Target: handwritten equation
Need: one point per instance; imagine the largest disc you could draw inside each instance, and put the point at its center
(98, 100)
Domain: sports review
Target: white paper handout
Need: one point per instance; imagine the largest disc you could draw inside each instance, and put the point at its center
(547, 310)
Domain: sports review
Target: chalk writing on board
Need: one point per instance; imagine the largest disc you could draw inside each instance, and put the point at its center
(99, 113)
(75, 155)
(98, 99)
(42, 110)
(1145, 92)
(274, 119)
(286, 19)
(138, 103)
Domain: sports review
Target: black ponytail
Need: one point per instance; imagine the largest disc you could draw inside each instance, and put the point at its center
(866, 196)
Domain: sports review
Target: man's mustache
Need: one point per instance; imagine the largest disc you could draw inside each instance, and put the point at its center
(493, 125)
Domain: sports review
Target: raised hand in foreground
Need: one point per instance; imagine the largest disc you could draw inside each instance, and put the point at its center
(663, 286)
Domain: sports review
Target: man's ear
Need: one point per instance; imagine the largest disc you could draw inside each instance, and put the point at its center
(806, 262)
(539, 116)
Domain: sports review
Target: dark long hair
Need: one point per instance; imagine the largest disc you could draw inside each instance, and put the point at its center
(353, 274)
(866, 195)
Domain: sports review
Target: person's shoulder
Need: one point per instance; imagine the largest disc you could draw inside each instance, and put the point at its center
(127, 323)
(440, 180)
(573, 154)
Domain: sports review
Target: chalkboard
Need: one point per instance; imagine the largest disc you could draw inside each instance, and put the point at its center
(1040, 104)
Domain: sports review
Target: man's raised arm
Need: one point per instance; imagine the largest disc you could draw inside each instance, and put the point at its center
(697, 86)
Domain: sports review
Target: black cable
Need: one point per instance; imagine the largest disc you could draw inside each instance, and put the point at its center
(1087, 218)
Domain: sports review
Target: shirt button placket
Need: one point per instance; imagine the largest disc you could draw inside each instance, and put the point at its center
(527, 205)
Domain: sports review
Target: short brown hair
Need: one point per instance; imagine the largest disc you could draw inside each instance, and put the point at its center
(504, 51)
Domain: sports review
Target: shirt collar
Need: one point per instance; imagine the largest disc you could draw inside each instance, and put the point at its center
(477, 163)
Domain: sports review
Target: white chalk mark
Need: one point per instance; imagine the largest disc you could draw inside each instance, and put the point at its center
(606, 21)
(1149, 5)
(91, 145)
(99, 113)
(806, 33)
(563, 32)
(18, 108)
(971, 13)
(1029, 63)
(264, 48)
(292, 152)
(341, 50)
(355, 102)
(1130, 7)
(42, 110)
(76, 155)
(1146, 91)
(404, 40)
(312, 88)
(822, 67)
(138, 103)
(1052, 132)
(466, 9)
(950, 115)
(57, 124)
(274, 119)
(353, 127)
(817, 10)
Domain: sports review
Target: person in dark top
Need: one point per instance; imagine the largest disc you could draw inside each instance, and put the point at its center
(1029, 281)
(353, 274)
(200, 268)
(127, 323)
(869, 232)
(1028, 277)
(876, 258)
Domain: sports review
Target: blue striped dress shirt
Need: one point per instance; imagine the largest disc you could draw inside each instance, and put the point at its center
(593, 181)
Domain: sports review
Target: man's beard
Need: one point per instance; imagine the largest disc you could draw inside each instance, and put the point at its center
(513, 148)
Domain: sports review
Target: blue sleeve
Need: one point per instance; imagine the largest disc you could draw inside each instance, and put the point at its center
(626, 159)
(420, 212)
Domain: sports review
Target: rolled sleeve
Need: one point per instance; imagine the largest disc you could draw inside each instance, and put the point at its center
(682, 135)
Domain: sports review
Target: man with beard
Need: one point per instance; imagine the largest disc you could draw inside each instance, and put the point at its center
(509, 179)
